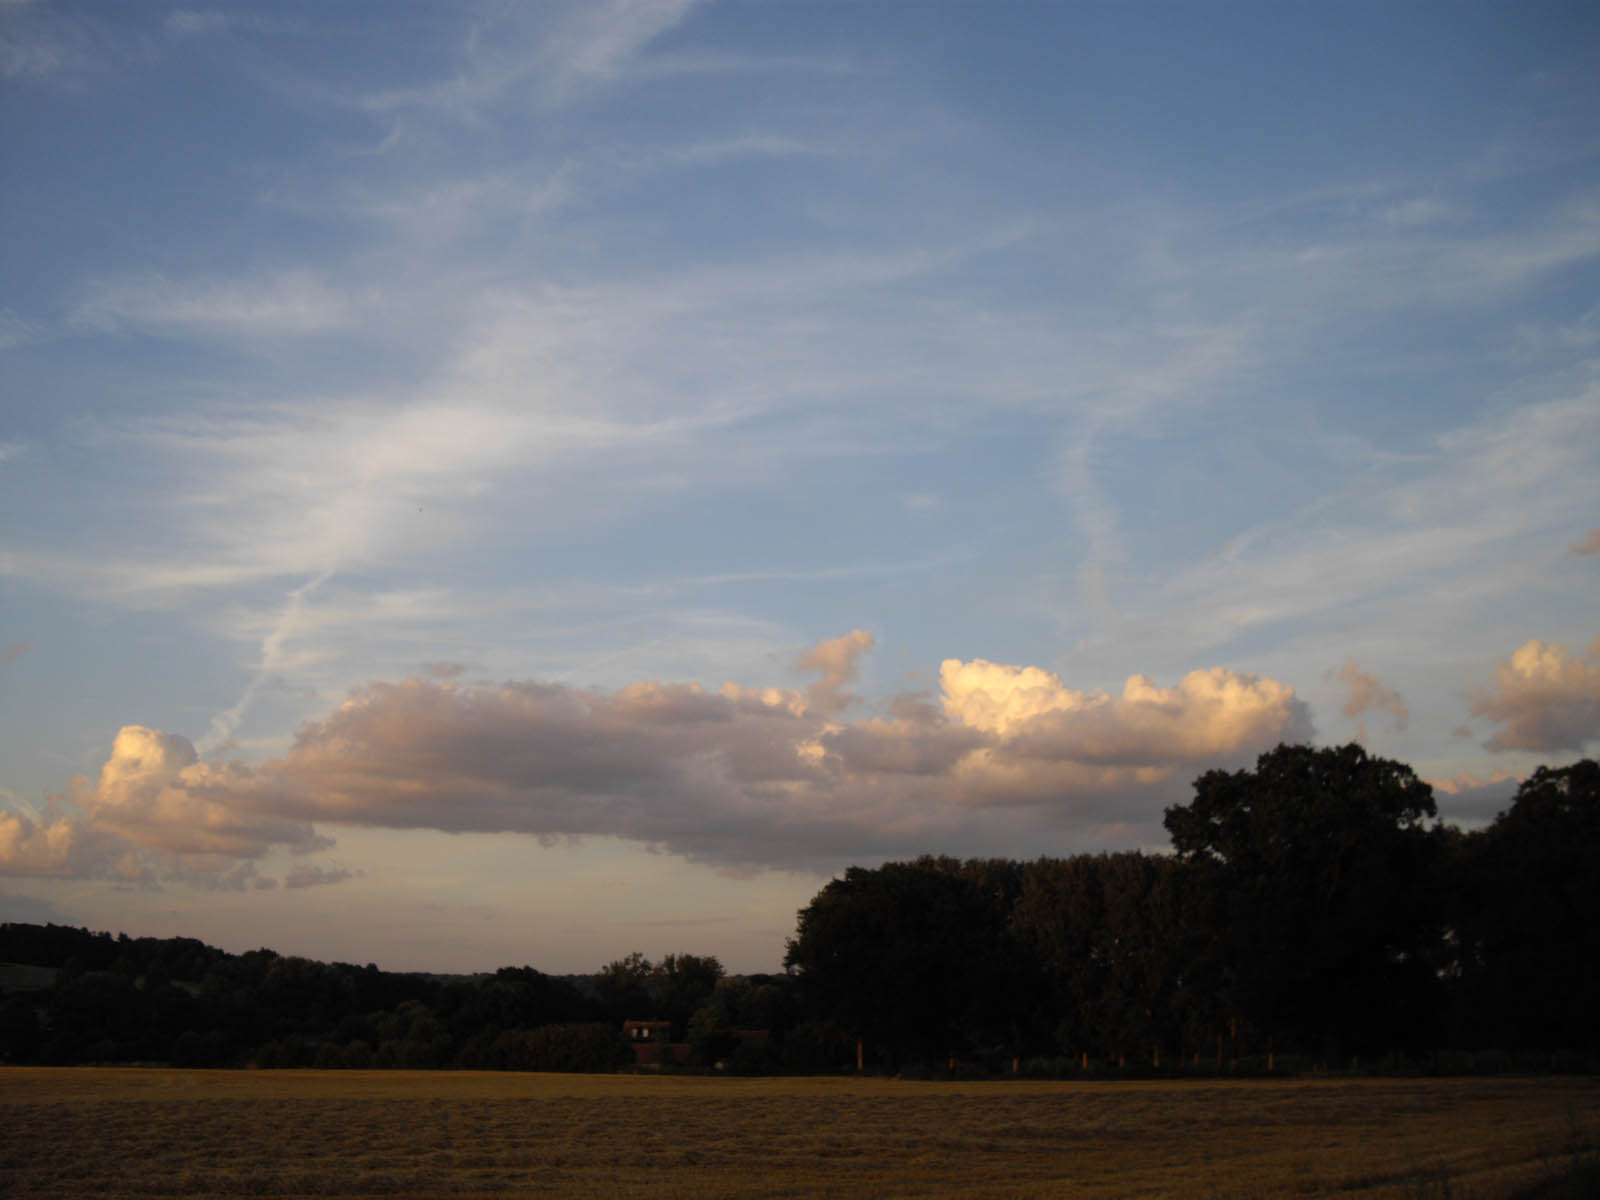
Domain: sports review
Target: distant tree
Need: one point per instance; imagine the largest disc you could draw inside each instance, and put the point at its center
(587, 1047)
(681, 983)
(623, 986)
(1317, 883)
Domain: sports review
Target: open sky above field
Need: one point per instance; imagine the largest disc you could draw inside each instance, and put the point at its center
(498, 483)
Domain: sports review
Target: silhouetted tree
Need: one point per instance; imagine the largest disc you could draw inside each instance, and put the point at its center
(623, 986)
(909, 958)
(1106, 933)
(679, 984)
(1316, 872)
(1530, 914)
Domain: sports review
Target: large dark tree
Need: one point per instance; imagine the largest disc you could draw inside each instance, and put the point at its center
(1319, 890)
(913, 960)
(1530, 915)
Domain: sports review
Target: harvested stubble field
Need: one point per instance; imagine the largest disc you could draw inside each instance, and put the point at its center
(152, 1132)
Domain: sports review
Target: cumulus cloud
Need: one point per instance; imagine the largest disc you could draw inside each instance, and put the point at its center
(155, 793)
(1589, 545)
(1367, 694)
(58, 845)
(1543, 698)
(154, 813)
(736, 776)
(1209, 713)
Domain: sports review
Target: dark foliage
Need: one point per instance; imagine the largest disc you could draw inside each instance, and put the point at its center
(1316, 882)
(913, 959)
(1528, 920)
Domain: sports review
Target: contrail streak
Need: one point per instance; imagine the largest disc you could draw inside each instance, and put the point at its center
(225, 723)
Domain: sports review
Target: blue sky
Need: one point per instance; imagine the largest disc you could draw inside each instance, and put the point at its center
(524, 483)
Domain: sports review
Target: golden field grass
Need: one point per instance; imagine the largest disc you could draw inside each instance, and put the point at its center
(71, 1132)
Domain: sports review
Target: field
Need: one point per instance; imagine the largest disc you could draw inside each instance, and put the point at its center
(152, 1132)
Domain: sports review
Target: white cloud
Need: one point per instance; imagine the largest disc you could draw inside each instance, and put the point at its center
(521, 51)
(1413, 535)
(1210, 713)
(60, 846)
(737, 776)
(154, 793)
(599, 39)
(1543, 698)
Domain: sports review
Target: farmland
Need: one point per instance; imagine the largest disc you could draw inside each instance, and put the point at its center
(149, 1132)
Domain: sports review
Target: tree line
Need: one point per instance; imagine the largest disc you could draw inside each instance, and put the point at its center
(1313, 906)
(181, 1002)
(1311, 911)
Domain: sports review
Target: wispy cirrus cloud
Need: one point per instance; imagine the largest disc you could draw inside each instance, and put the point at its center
(287, 304)
(1423, 526)
(552, 57)
(311, 875)
(16, 330)
(199, 22)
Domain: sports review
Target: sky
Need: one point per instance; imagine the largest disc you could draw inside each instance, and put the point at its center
(494, 484)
